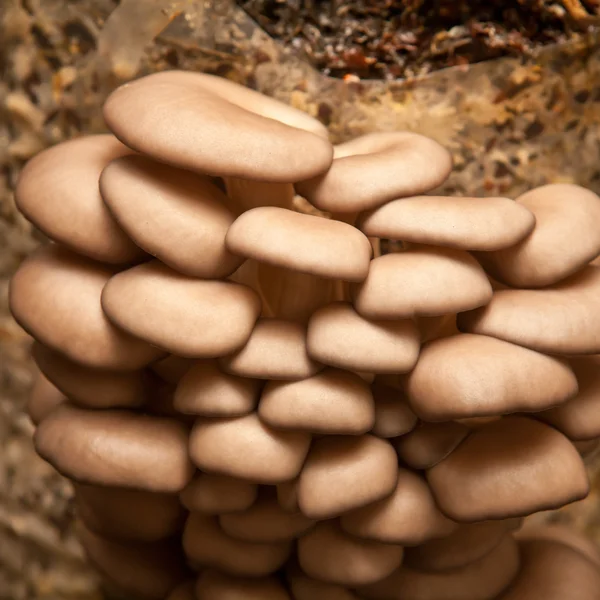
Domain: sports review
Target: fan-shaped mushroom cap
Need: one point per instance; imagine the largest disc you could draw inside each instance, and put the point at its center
(305, 588)
(328, 554)
(208, 124)
(213, 585)
(564, 240)
(373, 169)
(305, 243)
(58, 192)
(172, 368)
(430, 443)
(55, 296)
(218, 494)
(276, 350)
(562, 319)
(206, 390)
(463, 223)
(470, 375)
(393, 415)
(512, 467)
(246, 448)
(126, 514)
(44, 397)
(340, 337)
(177, 216)
(425, 281)
(342, 473)
(408, 517)
(116, 448)
(185, 591)
(188, 317)
(205, 543)
(332, 402)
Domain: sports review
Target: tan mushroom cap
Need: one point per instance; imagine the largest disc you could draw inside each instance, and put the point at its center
(304, 243)
(470, 375)
(425, 281)
(205, 543)
(512, 467)
(276, 350)
(430, 443)
(55, 296)
(393, 415)
(184, 316)
(408, 517)
(340, 337)
(462, 223)
(346, 472)
(126, 514)
(245, 447)
(58, 192)
(376, 168)
(116, 448)
(564, 240)
(172, 368)
(328, 554)
(206, 390)
(185, 591)
(208, 124)
(332, 401)
(44, 397)
(218, 494)
(213, 585)
(177, 216)
(561, 319)
(306, 588)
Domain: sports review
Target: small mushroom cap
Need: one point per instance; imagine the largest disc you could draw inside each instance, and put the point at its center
(205, 543)
(58, 192)
(55, 297)
(470, 375)
(218, 494)
(393, 415)
(306, 588)
(329, 483)
(116, 448)
(245, 447)
(208, 124)
(305, 243)
(276, 350)
(184, 316)
(328, 554)
(185, 591)
(425, 281)
(44, 397)
(408, 517)
(462, 223)
(172, 368)
(206, 390)
(562, 319)
(564, 240)
(512, 467)
(376, 168)
(340, 337)
(332, 402)
(213, 585)
(177, 216)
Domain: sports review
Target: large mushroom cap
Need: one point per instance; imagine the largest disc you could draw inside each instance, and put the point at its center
(44, 397)
(393, 415)
(213, 585)
(512, 467)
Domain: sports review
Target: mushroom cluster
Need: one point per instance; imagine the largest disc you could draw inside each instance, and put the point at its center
(254, 403)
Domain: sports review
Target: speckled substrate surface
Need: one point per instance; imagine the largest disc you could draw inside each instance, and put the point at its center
(510, 126)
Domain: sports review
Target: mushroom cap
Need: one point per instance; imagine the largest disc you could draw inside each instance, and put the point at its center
(425, 281)
(408, 517)
(58, 192)
(276, 349)
(184, 316)
(469, 375)
(462, 223)
(561, 319)
(218, 494)
(247, 448)
(213, 585)
(208, 124)
(172, 368)
(564, 240)
(373, 169)
(332, 401)
(393, 415)
(304, 243)
(306, 588)
(328, 484)
(44, 397)
(206, 390)
(55, 297)
(340, 337)
(116, 448)
(509, 468)
(328, 554)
